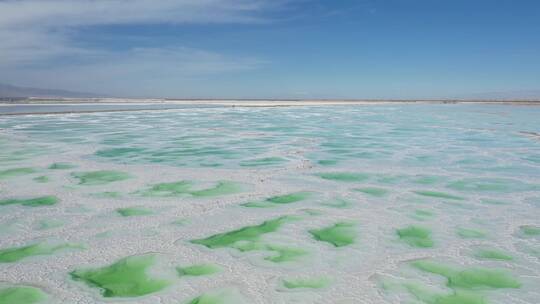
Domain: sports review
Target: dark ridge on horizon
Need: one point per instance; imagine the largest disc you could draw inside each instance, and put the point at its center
(8, 91)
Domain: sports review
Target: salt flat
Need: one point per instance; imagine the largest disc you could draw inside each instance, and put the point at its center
(386, 203)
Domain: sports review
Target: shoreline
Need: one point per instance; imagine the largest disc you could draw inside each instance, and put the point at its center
(74, 106)
(252, 102)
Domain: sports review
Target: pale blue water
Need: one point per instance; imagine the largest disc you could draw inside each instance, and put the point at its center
(469, 175)
(16, 109)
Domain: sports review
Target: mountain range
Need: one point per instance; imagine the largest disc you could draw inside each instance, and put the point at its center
(11, 91)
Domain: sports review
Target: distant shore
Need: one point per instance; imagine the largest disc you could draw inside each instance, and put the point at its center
(67, 106)
(248, 103)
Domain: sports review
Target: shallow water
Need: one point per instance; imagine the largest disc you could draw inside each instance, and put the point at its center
(332, 204)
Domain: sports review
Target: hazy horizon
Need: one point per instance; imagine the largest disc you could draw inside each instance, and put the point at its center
(10, 91)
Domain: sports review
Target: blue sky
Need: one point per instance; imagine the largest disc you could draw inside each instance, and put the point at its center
(274, 48)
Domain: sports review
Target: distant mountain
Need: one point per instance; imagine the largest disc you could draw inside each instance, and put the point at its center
(10, 91)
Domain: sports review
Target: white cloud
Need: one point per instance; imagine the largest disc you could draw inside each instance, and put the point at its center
(53, 13)
(36, 33)
(24, 47)
(39, 29)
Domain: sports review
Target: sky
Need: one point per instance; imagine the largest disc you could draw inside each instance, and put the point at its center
(299, 49)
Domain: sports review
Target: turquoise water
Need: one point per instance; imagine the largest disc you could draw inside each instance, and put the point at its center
(457, 186)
